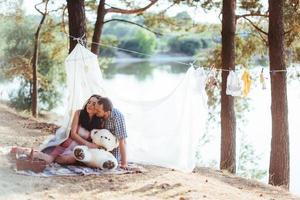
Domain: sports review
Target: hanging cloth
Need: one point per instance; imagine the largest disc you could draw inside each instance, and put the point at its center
(262, 79)
(246, 83)
(212, 80)
(234, 86)
(163, 132)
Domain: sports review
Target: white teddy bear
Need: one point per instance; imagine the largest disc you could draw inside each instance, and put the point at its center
(99, 158)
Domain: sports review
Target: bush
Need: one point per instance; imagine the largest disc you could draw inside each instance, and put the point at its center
(186, 45)
(21, 98)
(143, 42)
(189, 46)
(107, 51)
(297, 54)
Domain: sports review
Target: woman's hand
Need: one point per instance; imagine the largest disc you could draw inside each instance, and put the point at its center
(91, 145)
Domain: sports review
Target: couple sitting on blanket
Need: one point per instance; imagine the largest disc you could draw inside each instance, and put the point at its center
(97, 113)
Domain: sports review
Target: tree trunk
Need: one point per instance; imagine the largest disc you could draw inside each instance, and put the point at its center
(34, 76)
(279, 160)
(98, 27)
(77, 24)
(34, 95)
(228, 123)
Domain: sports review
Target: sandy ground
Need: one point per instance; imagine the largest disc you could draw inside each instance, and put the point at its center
(155, 183)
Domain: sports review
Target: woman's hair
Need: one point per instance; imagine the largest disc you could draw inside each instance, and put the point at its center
(98, 97)
(84, 118)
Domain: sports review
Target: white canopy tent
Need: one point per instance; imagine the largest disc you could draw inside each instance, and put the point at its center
(163, 132)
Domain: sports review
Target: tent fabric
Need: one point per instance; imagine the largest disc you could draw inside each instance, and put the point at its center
(163, 132)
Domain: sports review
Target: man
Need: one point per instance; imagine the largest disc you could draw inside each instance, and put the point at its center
(115, 123)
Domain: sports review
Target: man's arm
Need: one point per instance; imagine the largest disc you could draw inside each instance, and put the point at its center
(122, 145)
(120, 131)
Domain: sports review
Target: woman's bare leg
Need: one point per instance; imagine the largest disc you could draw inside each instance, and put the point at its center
(65, 159)
(36, 154)
(46, 157)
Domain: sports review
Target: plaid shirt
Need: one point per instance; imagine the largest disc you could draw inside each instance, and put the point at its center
(116, 125)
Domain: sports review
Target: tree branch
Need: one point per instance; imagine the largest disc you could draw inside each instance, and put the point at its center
(262, 37)
(63, 20)
(35, 6)
(144, 27)
(166, 9)
(57, 9)
(252, 15)
(44, 14)
(288, 31)
(134, 11)
(255, 26)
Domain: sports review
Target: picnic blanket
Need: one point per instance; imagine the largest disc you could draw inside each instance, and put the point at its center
(72, 170)
(55, 169)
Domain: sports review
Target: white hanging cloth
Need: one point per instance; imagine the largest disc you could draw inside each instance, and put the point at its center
(234, 85)
(163, 132)
(84, 78)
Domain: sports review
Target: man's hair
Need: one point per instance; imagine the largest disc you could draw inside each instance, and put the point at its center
(107, 104)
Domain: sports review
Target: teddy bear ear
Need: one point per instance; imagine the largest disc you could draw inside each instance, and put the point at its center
(93, 132)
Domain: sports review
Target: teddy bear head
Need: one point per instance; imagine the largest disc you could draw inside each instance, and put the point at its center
(104, 138)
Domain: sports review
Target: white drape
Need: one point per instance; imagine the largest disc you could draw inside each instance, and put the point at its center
(163, 132)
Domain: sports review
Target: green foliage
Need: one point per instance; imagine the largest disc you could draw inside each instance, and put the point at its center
(292, 25)
(91, 5)
(212, 58)
(252, 6)
(199, 35)
(248, 161)
(161, 23)
(249, 50)
(297, 54)
(183, 16)
(18, 37)
(12, 8)
(143, 42)
(119, 30)
(188, 45)
(211, 4)
(183, 19)
(247, 47)
(21, 98)
(107, 51)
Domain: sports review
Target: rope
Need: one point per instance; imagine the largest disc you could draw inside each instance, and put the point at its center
(81, 41)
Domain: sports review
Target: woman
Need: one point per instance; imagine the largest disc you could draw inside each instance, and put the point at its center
(83, 122)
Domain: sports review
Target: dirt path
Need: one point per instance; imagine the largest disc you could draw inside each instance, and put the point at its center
(156, 183)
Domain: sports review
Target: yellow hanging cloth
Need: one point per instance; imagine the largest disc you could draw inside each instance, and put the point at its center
(247, 83)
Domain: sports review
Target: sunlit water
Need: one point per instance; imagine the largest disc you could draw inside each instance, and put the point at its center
(150, 81)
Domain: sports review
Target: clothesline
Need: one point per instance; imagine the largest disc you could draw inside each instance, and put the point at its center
(82, 41)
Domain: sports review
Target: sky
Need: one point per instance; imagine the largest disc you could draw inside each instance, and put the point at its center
(198, 14)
